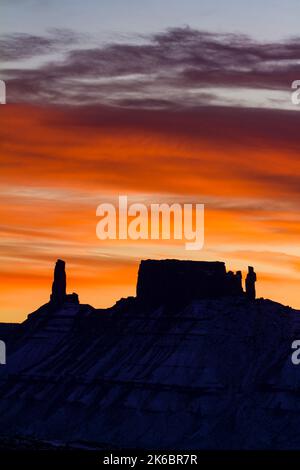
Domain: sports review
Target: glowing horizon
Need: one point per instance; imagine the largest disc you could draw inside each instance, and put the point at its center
(196, 111)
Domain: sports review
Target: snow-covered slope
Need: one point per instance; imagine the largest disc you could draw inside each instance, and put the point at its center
(214, 374)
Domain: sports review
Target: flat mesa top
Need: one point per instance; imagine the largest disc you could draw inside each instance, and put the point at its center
(175, 264)
(182, 262)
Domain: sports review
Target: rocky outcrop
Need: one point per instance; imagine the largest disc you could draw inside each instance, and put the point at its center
(176, 282)
(58, 295)
(250, 283)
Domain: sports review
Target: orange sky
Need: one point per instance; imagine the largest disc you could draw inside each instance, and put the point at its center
(59, 163)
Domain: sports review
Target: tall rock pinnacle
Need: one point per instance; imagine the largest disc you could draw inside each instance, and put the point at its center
(58, 295)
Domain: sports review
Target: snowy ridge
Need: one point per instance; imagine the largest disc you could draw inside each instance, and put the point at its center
(214, 374)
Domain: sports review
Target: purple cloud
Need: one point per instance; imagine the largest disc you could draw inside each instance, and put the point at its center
(173, 68)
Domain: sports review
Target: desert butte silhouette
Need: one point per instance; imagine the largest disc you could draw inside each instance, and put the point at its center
(191, 362)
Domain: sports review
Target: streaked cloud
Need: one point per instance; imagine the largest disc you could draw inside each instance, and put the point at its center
(180, 67)
(180, 114)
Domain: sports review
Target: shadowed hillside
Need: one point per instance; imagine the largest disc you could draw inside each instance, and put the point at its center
(191, 362)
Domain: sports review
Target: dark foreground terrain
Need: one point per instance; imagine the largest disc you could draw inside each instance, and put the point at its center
(206, 373)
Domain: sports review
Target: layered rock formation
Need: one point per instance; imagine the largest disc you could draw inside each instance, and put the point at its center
(177, 282)
(215, 373)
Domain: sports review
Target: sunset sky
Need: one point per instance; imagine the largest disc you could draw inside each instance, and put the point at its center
(162, 101)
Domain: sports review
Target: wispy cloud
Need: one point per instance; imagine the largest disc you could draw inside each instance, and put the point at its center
(19, 46)
(181, 67)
